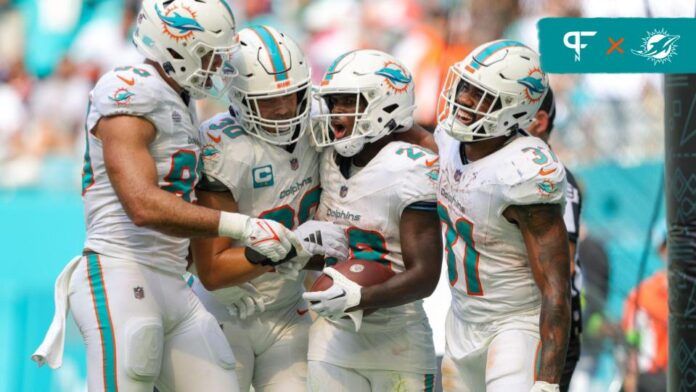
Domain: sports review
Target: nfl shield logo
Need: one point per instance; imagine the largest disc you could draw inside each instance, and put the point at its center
(176, 117)
(457, 175)
(138, 292)
(344, 191)
(294, 164)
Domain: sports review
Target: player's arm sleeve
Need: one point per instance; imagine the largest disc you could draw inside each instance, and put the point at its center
(525, 183)
(224, 167)
(112, 96)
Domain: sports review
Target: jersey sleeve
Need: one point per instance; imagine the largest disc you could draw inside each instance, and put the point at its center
(532, 175)
(419, 179)
(124, 92)
(225, 154)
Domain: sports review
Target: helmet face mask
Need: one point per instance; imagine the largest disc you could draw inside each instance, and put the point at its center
(379, 94)
(493, 92)
(342, 121)
(271, 95)
(192, 41)
(215, 75)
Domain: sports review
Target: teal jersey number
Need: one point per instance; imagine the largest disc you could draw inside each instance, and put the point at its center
(285, 214)
(308, 204)
(540, 156)
(450, 240)
(412, 152)
(464, 230)
(137, 71)
(367, 245)
(228, 127)
(183, 174)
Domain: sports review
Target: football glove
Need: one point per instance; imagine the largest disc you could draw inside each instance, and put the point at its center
(316, 238)
(247, 302)
(333, 302)
(269, 238)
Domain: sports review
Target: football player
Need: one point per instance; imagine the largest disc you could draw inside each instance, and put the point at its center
(501, 199)
(384, 191)
(541, 128)
(257, 160)
(141, 324)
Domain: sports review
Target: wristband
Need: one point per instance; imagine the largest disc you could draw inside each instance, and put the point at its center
(232, 225)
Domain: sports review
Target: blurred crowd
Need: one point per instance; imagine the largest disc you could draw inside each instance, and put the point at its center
(53, 51)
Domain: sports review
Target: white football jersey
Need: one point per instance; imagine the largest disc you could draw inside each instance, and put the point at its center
(267, 181)
(139, 91)
(487, 261)
(369, 204)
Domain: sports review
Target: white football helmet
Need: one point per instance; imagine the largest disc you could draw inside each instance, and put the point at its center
(270, 64)
(386, 86)
(177, 34)
(505, 73)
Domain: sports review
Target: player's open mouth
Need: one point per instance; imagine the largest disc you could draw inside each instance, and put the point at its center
(339, 130)
(465, 117)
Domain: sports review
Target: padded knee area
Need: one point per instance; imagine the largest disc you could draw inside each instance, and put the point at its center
(144, 344)
(216, 343)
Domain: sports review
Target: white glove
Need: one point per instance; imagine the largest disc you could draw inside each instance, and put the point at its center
(267, 237)
(249, 301)
(333, 302)
(315, 238)
(543, 386)
(323, 238)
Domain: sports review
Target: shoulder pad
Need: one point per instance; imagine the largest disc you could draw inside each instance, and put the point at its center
(221, 125)
(127, 90)
(531, 173)
(418, 172)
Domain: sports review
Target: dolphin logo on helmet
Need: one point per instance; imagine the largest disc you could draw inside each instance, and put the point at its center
(395, 75)
(178, 22)
(535, 85)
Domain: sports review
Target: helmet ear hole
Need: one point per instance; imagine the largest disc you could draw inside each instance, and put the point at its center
(391, 108)
(175, 54)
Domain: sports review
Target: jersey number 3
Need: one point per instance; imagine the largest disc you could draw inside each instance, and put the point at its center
(464, 230)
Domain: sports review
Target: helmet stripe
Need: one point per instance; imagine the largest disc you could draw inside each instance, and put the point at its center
(276, 56)
(227, 6)
(332, 68)
(488, 52)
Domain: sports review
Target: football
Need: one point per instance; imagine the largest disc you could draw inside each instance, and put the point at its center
(363, 272)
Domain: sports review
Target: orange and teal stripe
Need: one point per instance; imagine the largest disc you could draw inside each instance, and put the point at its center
(479, 58)
(332, 68)
(106, 326)
(280, 69)
(227, 7)
(429, 383)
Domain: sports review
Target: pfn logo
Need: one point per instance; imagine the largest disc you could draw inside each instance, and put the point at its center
(573, 40)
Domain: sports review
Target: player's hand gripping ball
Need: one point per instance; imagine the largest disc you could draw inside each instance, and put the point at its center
(364, 273)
